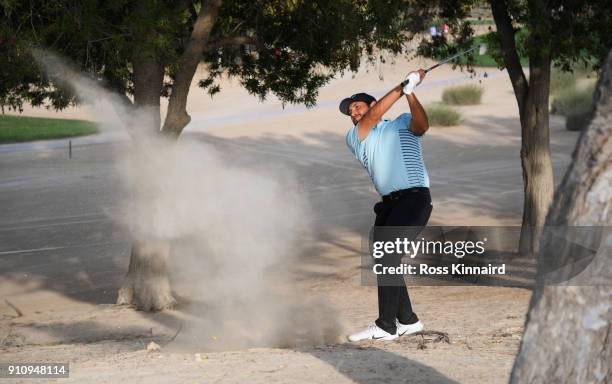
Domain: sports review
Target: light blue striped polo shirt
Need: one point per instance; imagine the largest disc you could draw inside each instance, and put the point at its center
(392, 155)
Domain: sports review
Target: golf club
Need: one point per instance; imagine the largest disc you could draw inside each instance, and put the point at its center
(482, 49)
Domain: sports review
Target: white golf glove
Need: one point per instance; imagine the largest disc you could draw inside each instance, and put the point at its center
(412, 80)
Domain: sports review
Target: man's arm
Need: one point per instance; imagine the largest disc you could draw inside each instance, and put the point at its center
(419, 124)
(374, 114)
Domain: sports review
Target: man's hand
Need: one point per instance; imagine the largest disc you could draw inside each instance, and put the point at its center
(419, 124)
(422, 74)
(413, 79)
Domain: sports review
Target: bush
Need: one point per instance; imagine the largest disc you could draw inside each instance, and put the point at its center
(462, 95)
(573, 101)
(577, 121)
(561, 81)
(584, 70)
(441, 115)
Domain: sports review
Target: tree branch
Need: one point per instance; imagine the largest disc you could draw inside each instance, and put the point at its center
(499, 9)
(192, 12)
(177, 117)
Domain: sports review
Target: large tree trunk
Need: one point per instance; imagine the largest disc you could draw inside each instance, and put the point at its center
(147, 283)
(568, 334)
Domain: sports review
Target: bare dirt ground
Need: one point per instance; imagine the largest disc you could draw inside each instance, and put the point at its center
(476, 180)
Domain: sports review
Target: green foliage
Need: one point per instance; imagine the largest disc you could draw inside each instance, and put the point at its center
(462, 95)
(287, 48)
(441, 115)
(305, 43)
(14, 129)
(491, 58)
(584, 69)
(482, 22)
(460, 38)
(573, 101)
(578, 33)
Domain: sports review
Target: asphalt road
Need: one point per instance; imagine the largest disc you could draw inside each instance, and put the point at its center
(57, 231)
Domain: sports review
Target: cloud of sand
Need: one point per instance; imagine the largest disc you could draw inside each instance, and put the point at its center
(235, 233)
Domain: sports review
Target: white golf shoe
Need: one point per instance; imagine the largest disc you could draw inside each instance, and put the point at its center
(372, 332)
(408, 329)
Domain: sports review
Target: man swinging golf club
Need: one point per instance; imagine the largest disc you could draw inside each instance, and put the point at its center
(391, 153)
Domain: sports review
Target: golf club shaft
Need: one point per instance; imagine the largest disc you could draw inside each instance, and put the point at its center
(449, 59)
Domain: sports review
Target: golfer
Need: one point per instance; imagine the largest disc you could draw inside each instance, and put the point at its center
(391, 153)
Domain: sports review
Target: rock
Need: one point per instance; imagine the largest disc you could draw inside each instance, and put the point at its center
(153, 346)
(199, 357)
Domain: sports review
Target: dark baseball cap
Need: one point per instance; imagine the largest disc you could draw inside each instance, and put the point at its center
(346, 103)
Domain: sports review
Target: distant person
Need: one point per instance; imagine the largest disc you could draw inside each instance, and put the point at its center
(391, 153)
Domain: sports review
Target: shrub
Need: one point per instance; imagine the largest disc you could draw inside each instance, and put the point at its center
(441, 115)
(577, 121)
(462, 95)
(584, 70)
(573, 101)
(561, 81)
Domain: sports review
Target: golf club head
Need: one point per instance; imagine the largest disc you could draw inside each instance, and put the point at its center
(482, 49)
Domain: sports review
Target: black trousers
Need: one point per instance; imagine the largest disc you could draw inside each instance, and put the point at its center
(411, 209)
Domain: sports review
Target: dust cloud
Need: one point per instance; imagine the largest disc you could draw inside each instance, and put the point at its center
(234, 235)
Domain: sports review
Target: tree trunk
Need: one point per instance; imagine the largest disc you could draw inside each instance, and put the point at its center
(568, 332)
(532, 100)
(538, 184)
(147, 283)
(148, 82)
(177, 117)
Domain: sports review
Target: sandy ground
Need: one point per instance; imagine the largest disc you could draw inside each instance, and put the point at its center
(476, 180)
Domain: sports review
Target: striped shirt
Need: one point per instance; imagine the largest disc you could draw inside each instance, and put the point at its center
(391, 154)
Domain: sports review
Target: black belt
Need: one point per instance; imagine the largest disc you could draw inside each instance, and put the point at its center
(396, 195)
